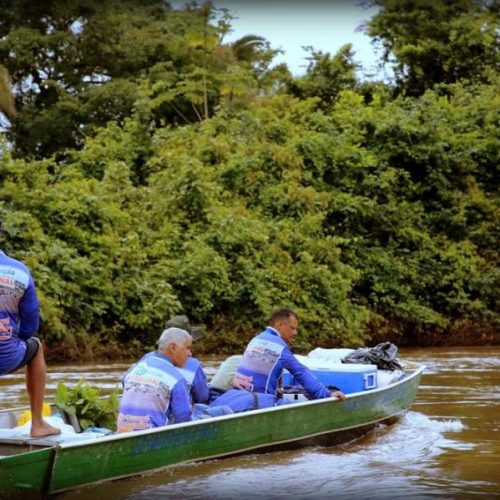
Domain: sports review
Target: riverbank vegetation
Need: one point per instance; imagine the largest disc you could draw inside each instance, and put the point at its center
(150, 168)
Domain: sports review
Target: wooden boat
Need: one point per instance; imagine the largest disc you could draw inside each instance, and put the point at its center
(50, 465)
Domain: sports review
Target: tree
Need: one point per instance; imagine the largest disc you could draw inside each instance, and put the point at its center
(76, 65)
(431, 42)
(7, 105)
(327, 76)
(256, 53)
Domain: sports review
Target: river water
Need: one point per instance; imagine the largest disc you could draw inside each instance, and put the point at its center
(447, 446)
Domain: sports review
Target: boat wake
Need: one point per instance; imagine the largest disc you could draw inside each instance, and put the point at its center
(389, 460)
(416, 420)
(414, 437)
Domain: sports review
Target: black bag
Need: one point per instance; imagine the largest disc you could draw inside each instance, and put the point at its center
(383, 355)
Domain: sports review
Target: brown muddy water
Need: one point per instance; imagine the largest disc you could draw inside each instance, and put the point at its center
(447, 446)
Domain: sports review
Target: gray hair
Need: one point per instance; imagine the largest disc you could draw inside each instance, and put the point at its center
(172, 336)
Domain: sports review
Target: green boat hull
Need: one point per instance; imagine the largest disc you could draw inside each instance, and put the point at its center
(70, 465)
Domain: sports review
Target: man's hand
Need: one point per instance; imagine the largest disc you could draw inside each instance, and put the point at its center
(338, 394)
(243, 382)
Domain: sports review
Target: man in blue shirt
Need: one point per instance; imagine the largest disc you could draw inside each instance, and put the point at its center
(192, 371)
(257, 381)
(19, 321)
(195, 377)
(154, 391)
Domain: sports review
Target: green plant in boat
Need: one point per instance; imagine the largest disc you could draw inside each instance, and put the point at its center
(87, 405)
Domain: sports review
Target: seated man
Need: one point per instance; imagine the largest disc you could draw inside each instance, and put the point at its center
(223, 379)
(195, 376)
(257, 378)
(154, 391)
(19, 321)
(192, 371)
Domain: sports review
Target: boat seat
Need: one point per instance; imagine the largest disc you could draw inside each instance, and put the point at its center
(8, 438)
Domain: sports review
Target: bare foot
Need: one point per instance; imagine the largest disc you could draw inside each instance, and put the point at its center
(44, 430)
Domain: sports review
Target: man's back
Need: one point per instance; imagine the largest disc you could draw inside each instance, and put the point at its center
(154, 392)
(19, 311)
(262, 365)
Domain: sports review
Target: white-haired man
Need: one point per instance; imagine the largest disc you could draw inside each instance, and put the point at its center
(192, 370)
(154, 391)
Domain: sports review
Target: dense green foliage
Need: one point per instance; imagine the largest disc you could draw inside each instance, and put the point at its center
(186, 174)
(434, 42)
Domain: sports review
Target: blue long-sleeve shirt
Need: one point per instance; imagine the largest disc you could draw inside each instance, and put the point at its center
(263, 362)
(19, 311)
(196, 379)
(154, 394)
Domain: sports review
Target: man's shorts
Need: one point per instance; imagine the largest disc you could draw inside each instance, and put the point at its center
(32, 346)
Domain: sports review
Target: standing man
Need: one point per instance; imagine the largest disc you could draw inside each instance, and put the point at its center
(259, 372)
(19, 321)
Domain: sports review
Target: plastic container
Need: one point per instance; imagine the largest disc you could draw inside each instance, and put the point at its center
(348, 378)
(26, 414)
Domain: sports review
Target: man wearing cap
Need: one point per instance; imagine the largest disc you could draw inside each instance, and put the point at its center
(19, 322)
(256, 383)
